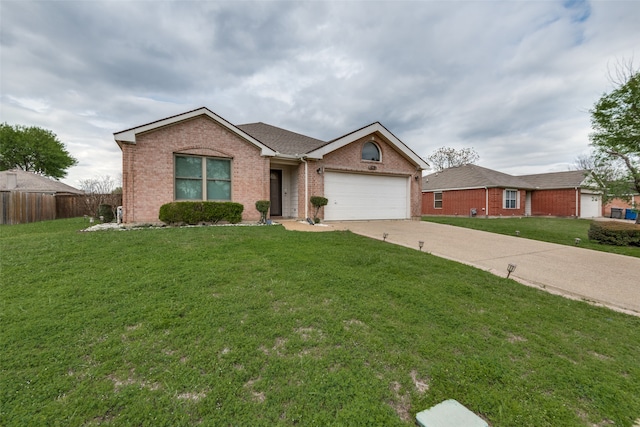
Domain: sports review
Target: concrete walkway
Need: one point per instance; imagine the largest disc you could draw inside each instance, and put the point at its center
(598, 277)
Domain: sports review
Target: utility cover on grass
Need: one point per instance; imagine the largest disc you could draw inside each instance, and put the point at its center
(449, 413)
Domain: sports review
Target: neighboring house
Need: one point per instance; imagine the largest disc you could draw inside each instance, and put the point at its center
(366, 174)
(474, 190)
(28, 197)
(29, 182)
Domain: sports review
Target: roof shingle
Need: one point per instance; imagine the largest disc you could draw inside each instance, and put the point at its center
(34, 183)
(474, 176)
(281, 140)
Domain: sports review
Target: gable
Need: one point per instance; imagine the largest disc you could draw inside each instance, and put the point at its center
(130, 136)
(372, 129)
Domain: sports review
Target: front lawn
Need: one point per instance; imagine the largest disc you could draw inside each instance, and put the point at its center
(263, 326)
(554, 230)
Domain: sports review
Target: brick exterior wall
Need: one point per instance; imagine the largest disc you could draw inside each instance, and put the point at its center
(554, 202)
(148, 167)
(349, 159)
(460, 202)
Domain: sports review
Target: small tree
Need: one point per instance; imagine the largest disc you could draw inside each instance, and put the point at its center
(318, 202)
(262, 206)
(100, 191)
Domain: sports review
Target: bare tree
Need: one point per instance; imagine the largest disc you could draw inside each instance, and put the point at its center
(447, 157)
(102, 190)
(602, 174)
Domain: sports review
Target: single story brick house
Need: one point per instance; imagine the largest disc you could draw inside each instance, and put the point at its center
(366, 174)
(475, 190)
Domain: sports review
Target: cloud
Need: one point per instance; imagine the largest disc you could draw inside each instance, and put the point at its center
(514, 80)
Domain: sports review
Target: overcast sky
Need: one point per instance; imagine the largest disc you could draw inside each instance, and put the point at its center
(513, 79)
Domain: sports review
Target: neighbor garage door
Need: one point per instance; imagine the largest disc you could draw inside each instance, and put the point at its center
(590, 206)
(360, 196)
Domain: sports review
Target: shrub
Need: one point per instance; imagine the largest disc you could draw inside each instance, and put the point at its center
(106, 212)
(200, 212)
(615, 233)
(262, 206)
(318, 202)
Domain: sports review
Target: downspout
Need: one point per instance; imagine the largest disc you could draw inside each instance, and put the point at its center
(486, 202)
(577, 200)
(306, 187)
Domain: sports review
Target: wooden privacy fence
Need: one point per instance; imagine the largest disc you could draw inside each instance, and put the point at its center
(18, 207)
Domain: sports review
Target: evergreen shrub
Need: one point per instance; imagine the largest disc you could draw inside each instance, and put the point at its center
(200, 212)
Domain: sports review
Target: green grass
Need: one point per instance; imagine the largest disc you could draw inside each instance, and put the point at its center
(261, 326)
(554, 230)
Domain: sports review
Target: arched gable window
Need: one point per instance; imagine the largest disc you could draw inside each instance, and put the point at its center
(370, 151)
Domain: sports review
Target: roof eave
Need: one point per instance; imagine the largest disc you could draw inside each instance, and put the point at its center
(363, 132)
(128, 136)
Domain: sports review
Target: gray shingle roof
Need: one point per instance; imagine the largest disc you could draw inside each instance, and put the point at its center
(471, 176)
(281, 140)
(474, 176)
(567, 179)
(33, 183)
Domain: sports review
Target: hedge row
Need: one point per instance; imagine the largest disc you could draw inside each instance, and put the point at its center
(200, 212)
(615, 233)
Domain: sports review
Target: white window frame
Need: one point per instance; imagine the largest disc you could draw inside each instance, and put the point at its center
(204, 178)
(505, 198)
(369, 160)
(435, 200)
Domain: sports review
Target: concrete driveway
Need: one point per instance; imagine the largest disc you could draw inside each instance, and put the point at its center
(599, 277)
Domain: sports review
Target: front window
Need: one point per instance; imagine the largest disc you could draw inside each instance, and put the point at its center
(202, 178)
(437, 200)
(510, 199)
(370, 151)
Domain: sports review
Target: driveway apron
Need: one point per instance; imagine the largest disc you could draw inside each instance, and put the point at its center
(598, 277)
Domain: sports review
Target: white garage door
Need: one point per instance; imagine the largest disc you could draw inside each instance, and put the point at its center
(359, 196)
(590, 206)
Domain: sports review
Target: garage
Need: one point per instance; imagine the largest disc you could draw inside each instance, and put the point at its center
(590, 205)
(361, 196)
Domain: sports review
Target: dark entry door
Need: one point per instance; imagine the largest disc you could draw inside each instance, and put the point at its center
(276, 192)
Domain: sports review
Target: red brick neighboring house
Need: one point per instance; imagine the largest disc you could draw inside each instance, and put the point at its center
(366, 174)
(624, 205)
(471, 189)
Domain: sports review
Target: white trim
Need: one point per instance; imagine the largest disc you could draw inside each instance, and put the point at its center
(365, 131)
(434, 200)
(129, 136)
(504, 198)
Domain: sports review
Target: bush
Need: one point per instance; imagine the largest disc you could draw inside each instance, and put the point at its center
(106, 212)
(318, 202)
(200, 212)
(615, 233)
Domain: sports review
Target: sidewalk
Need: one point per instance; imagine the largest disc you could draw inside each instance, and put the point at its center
(598, 277)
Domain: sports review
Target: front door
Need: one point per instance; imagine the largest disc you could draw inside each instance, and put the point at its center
(276, 192)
